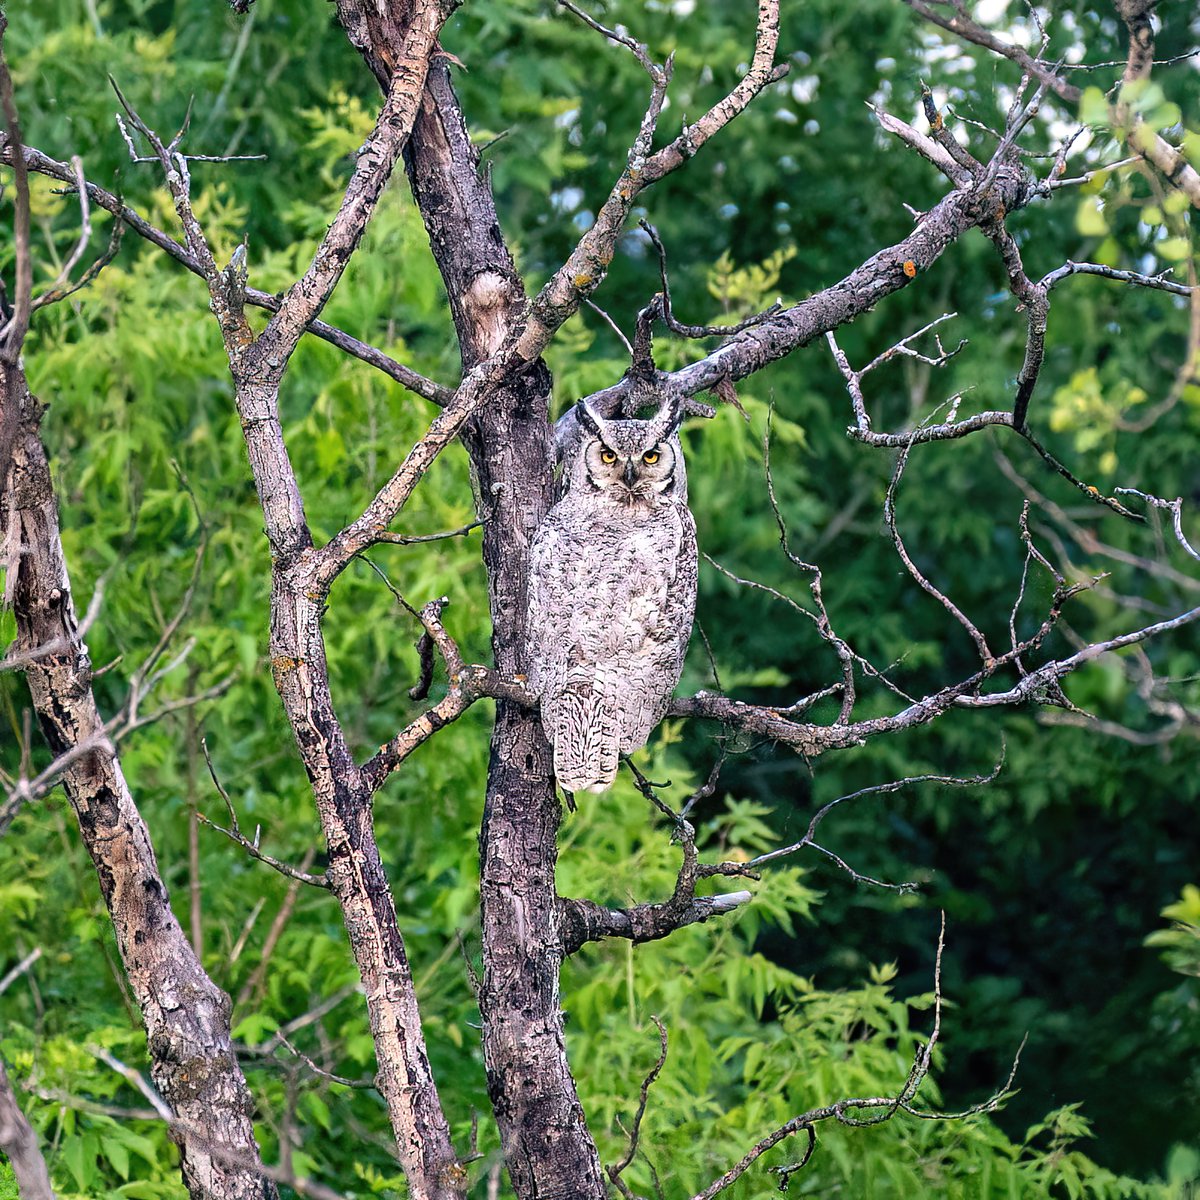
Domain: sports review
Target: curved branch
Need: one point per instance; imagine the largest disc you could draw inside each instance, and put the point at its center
(884, 273)
(415, 382)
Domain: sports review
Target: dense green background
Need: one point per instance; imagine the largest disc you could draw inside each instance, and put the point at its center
(1051, 878)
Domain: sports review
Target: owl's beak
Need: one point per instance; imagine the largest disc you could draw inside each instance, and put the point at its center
(629, 475)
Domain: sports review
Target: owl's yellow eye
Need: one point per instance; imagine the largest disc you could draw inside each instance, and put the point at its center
(651, 457)
(607, 457)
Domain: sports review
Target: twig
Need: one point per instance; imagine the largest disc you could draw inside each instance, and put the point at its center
(234, 833)
(20, 969)
(887, 1106)
(668, 315)
(894, 785)
(275, 932)
(608, 319)
(614, 1170)
(889, 517)
(12, 335)
(161, 1110)
(36, 161)
(1174, 507)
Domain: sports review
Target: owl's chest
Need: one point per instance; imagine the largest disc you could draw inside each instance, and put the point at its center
(619, 542)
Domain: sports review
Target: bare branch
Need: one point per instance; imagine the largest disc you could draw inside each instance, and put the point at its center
(35, 160)
(85, 234)
(1159, 282)
(161, 1110)
(12, 976)
(695, 331)
(467, 683)
(1174, 507)
(583, 921)
(234, 834)
(842, 1110)
(1035, 685)
(889, 517)
(894, 785)
(614, 1170)
(1151, 145)
(657, 73)
(925, 146)
(12, 334)
(376, 159)
(587, 264)
(962, 26)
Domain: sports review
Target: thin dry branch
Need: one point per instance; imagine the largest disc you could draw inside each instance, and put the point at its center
(587, 264)
(926, 146)
(955, 427)
(42, 164)
(895, 785)
(467, 684)
(372, 169)
(1040, 686)
(159, 1110)
(583, 921)
(614, 1170)
(1149, 144)
(885, 1107)
(13, 975)
(234, 833)
(667, 313)
(1175, 508)
(889, 518)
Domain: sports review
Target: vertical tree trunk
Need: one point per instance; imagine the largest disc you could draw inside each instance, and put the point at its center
(186, 1015)
(548, 1148)
(19, 1143)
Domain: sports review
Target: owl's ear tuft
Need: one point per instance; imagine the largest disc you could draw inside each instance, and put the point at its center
(668, 418)
(590, 420)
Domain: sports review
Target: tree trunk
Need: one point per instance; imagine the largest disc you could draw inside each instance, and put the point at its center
(548, 1148)
(19, 1143)
(186, 1015)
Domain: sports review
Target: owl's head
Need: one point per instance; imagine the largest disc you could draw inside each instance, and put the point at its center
(635, 462)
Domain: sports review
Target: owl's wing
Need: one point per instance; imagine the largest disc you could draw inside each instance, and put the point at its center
(569, 603)
(663, 614)
(681, 593)
(549, 605)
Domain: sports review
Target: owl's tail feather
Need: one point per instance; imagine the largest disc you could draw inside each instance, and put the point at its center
(586, 742)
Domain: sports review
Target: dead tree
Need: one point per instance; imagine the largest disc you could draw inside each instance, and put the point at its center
(500, 409)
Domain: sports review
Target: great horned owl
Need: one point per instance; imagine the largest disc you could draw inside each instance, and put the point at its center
(612, 590)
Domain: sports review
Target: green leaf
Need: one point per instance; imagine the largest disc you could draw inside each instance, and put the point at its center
(1093, 107)
(1089, 218)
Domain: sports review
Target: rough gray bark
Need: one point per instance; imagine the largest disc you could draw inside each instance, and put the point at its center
(301, 577)
(548, 1149)
(19, 1143)
(185, 1014)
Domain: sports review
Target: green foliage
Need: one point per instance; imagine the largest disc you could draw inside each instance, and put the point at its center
(1181, 943)
(814, 991)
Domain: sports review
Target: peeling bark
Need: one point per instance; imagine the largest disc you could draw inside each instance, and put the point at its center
(548, 1149)
(19, 1143)
(185, 1014)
